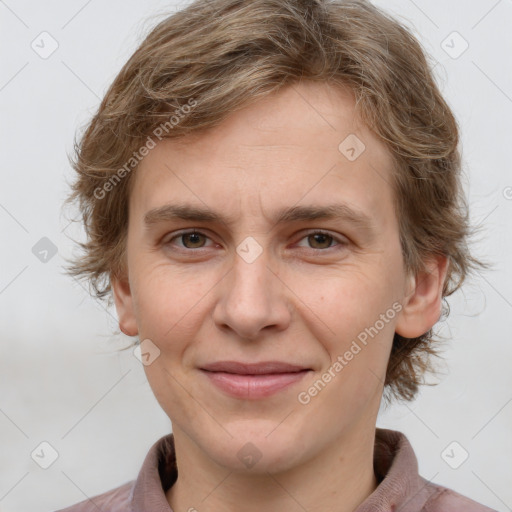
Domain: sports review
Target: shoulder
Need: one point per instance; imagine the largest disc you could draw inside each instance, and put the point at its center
(443, 499)
(115, 500)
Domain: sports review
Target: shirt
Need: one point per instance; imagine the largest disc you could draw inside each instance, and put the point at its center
(400, 488)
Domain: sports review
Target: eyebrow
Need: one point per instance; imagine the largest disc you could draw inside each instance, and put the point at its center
(341, 211)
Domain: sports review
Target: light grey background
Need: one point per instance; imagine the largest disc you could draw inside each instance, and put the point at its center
(61, 379)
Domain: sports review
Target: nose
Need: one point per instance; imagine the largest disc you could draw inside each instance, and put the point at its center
(252, 298)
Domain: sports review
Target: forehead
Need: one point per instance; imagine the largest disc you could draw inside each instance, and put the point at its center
(304, 144)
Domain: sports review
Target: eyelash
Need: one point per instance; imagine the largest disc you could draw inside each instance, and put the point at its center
(341, 242)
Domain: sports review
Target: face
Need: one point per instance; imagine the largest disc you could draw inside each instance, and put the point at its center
(241, 284)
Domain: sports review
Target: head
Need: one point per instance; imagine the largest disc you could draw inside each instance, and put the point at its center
(247, 109)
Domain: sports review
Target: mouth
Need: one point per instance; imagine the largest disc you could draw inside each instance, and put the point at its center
(251, 381)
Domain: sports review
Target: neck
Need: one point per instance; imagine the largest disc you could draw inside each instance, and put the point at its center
(339, 478)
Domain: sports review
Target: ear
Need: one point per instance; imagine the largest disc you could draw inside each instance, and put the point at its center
(422, 306)
(124, 305)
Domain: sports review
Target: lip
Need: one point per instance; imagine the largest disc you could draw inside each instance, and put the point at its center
(253, 381)
(253, 387)
(265, 367)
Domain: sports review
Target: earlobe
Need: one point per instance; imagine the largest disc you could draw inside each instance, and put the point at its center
(422, 306)
(124, 306)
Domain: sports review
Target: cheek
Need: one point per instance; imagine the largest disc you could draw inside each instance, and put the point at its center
(349, 302)
(363, 320)
(166, 298)
(169, 312)
(361, 310)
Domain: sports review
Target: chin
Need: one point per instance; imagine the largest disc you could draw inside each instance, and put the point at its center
(259, 451)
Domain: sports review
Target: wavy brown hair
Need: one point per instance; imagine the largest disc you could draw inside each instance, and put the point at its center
(224, 54)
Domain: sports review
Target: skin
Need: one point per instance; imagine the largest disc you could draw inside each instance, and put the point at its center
(303, 300)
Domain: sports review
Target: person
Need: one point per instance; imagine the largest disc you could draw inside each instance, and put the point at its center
(271, 192)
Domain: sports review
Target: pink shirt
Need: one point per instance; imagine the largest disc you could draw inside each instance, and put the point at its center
(400, 489)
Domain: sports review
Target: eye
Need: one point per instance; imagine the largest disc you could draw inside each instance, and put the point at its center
(317, 240)
(321, 240)
(190, 239)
